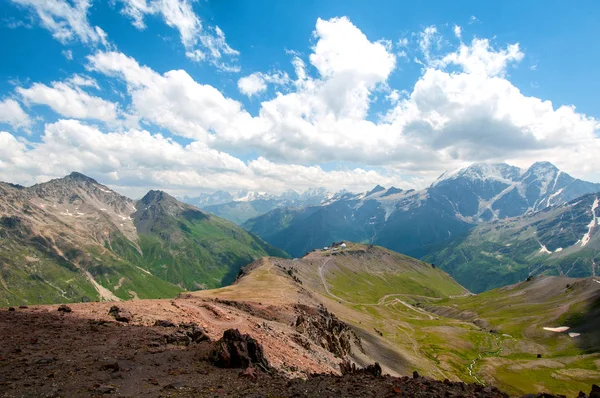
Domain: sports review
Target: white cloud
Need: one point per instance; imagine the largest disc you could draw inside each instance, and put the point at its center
(174, 100)
(252, 84)
(462, 108)
(480, 58)
(82, 81)
(11, 113)
(256, 83)
(447, 118)
(180, 15)
(428, 38)
(68, 54)
(343, 48)
(196, 55)
(137, 158)
(216, 44)
(68, 99)
(393, 96)
(66, 20)
(458, 31)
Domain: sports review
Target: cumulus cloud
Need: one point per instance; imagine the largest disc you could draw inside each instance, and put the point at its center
(137, 158)
(180, 15)
(252, 84)
(480, 59)
(174, 100)
(70, 100)
(462, 108)
(256, 83)
(11, 113)
(66, 20)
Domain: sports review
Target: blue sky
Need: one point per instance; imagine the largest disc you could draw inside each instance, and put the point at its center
(197, 96)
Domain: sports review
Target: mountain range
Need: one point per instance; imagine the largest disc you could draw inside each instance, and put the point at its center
(73, 239)
(243, 205)
(332, 310)
(429, 221)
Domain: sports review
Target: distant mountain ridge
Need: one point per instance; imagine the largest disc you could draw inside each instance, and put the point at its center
(243, 205)
(488, 192)
(73, 239)
(418, 223)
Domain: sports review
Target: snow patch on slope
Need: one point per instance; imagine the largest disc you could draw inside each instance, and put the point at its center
(544, 249)
(586, 238)
(555, 194)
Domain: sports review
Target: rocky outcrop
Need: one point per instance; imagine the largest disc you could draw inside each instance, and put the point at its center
(325, 329)
(347, 367)
(186, 334)
(236, 350)
(120, 314)
(64, 308)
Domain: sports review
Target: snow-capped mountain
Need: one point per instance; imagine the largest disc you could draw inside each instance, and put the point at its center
(249, 196)
(240, 206)
(483, 192)
(417, 222)
(559, 240)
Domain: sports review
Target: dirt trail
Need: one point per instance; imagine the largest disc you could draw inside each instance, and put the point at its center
(381, 301)
(418, 310)
(209, 315)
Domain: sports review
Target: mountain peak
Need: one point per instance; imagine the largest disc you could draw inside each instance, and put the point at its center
(482, 171)
(378, 188)
(544, 165)
(77, 176)
(154, 196)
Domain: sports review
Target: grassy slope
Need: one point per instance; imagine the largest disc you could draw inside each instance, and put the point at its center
(507, 251)
(185, 253)
(205, 253)
(410, 303)
(370, 276)
(445, 346)
(31, 274)
(28, 276)
(519, 314)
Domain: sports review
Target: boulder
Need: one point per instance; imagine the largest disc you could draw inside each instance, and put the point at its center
(120, 314)
(64, 308)
(164, 323)
(195, 332)
(186, 334)
(110, 364)
(236, 350)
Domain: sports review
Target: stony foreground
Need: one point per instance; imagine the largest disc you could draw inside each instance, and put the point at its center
(54, 354)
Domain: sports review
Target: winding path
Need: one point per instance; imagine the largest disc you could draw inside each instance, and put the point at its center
(381, 302)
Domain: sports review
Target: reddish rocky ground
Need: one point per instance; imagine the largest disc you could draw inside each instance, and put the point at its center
(48, 353)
